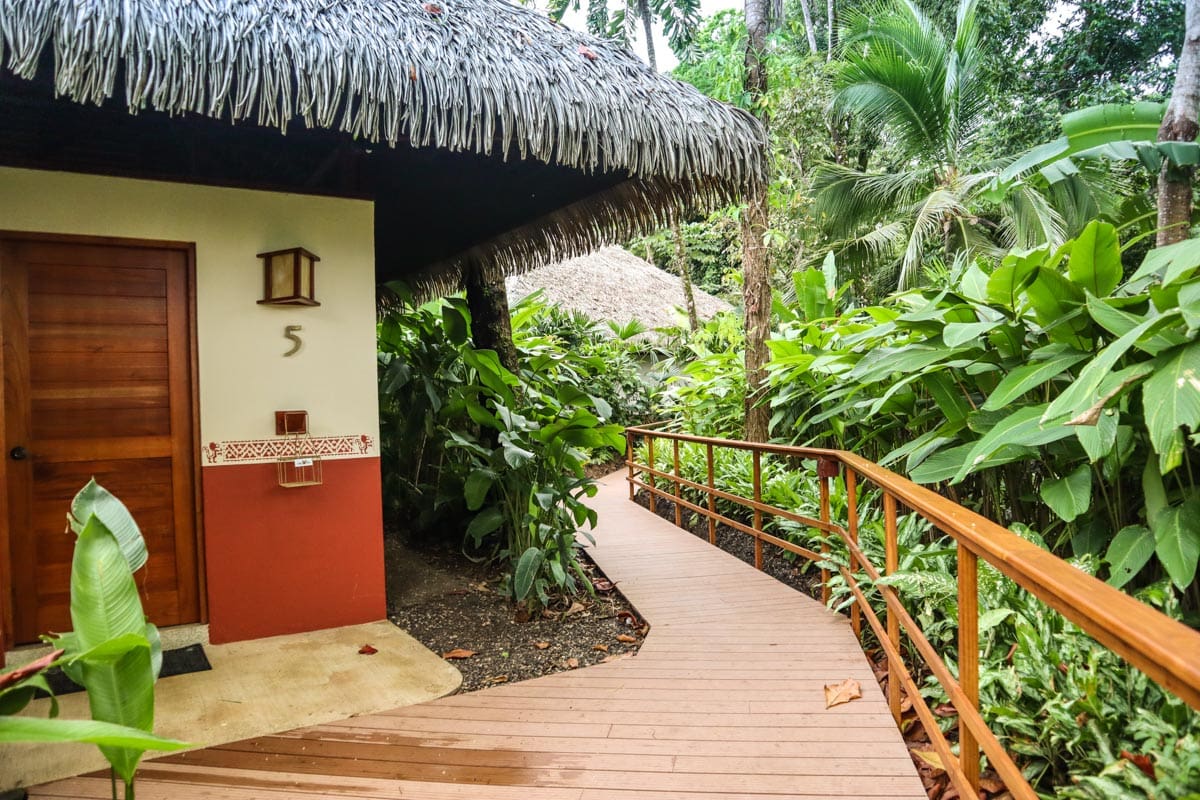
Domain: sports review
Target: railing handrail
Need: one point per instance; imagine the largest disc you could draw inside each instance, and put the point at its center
(1165, 649)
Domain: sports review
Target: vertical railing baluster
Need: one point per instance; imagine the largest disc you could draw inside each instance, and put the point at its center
(758, 547)
(852, 533)
(678, 485)
(968, 657)
(823, 484)
(629, 461)
(712, 498)
(893, 622)
(650, 475)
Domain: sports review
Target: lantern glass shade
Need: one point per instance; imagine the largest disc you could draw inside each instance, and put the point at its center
(288, 277)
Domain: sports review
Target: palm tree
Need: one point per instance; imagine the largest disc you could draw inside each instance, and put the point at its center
(924, 91)
(679, 19)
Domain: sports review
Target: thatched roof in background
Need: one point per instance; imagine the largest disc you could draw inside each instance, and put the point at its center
(477, 76)
(614, 284)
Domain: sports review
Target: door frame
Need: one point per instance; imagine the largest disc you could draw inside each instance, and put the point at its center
(188, 249)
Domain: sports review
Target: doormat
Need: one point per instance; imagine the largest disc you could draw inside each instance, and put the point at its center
(180, 661)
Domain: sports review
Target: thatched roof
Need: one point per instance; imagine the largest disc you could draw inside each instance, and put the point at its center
(614, 284)
(471, 76)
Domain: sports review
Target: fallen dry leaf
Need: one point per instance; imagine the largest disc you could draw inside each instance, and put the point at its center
(992, 784)
(626, 638)
(844, 692)
(576, 608)
(367, 650)
(945, 710)
(541, 645)
(432, 8)
(458, 652)
(645, 629)
(571, 663)
(602, 585)
(601, 647)
(412, 73)
(1141, 761)
(587, 52)
(628, 618)
(616, 657)
(931, 758)
(498, 679)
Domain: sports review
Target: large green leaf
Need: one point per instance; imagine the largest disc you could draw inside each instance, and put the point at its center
(1098, 440)
(1070, 495)
(104, 597)
(960, 333)
(1026, 377)
(1056, 302)
(1129, 551)
(1171, 398)
(94, 499)
(1095, 262)
(476, 487)
(115, 662)
(1171, 262)
(1082, 395)
(1177, 541)
(1022, 428)
(1111, 122)
(32, 729)
(527, 569)
(945, 464)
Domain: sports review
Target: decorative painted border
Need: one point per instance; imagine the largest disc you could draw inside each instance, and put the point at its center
(266, 450)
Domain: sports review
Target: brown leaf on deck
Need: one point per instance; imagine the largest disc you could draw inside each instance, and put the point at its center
(367, 650)
(838, 693)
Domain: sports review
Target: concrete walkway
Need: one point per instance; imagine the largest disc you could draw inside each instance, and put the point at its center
(725, 701)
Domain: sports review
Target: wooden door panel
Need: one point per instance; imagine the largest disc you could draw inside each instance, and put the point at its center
(98, 384)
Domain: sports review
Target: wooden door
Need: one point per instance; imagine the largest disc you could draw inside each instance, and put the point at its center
(98, 375)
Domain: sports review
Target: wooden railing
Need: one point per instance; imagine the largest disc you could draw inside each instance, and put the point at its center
(1166, 650)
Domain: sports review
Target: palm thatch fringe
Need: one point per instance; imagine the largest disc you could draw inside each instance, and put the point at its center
(574, 230)
(464, 75)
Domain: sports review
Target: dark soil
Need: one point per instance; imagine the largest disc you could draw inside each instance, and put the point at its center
(781, 565)
(447, 602)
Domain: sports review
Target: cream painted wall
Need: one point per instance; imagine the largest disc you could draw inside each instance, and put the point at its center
(244, 377)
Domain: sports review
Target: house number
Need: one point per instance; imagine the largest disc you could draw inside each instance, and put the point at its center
(289, 332)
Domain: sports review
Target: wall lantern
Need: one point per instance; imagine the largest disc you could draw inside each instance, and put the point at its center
(288, 277)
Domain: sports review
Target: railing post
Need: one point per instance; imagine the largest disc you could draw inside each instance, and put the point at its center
(968, 658)
(650, 475)
(826, 469)
(893, 622)
(852, 533)
(678, 485)
(712, 498)
(758, 547)
(629, 460)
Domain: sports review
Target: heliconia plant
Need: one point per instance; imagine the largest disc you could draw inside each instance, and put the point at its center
(114, 653)
(1048, 389)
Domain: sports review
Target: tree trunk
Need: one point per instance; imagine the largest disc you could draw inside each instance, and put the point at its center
(808, 26)
(648, 25)
(685, 275)
(831, 29)
(756, 284)
(1180, 125)
(491, 326)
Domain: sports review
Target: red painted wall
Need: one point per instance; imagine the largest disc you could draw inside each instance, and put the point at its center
(291, 560)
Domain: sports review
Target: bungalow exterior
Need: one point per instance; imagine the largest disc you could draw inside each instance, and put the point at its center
(151, 150)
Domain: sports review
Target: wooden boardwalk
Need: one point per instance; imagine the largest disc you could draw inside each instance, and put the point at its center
(725, 701)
